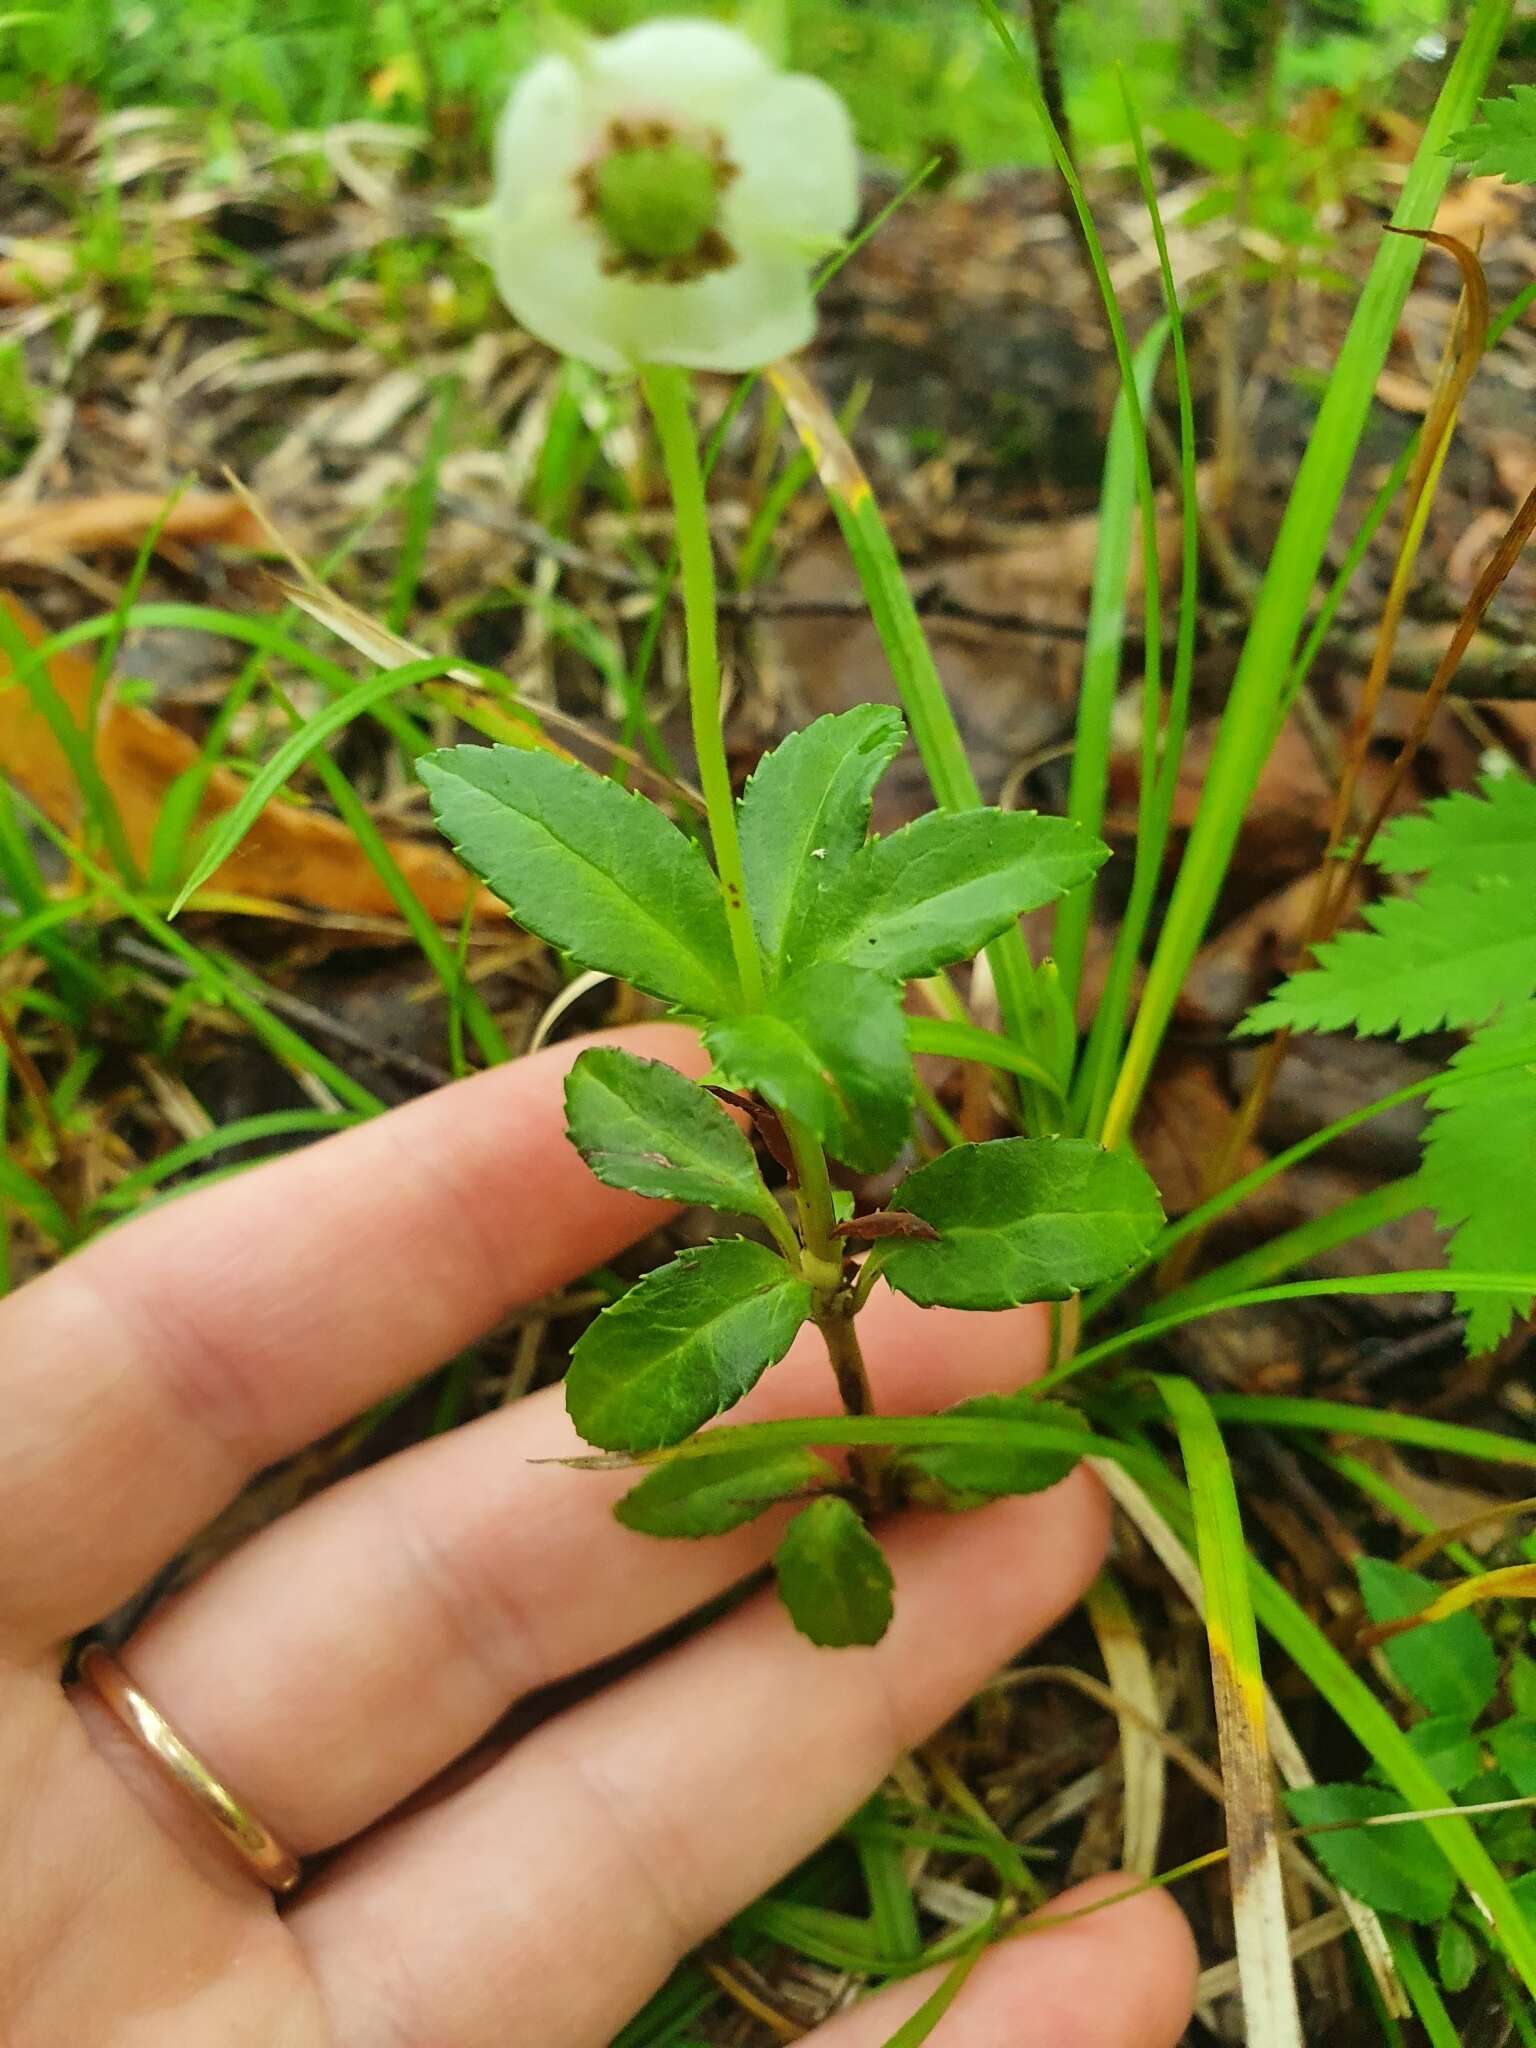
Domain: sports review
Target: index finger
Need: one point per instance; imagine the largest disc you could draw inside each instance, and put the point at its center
(148, 1377)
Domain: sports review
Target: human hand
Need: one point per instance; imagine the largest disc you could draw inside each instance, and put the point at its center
(349, 1654)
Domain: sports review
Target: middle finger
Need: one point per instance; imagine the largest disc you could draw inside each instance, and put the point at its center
(397, 1617)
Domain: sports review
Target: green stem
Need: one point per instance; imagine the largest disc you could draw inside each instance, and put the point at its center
(667, 394)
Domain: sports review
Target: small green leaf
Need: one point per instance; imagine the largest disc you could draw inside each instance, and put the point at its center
(833, 1576)
(804, 815)
(1523, 1889)
(959, 1476)
(1450, 954)
(1479, 1159)
(593, 869)
(829, 1047)
(1021, 1219)
(1395, 1869)
(942, 887)
(1502, 141)
(639, 1124)
(1513, 1744)
(1522, 1684)
(684, 1344)
(1450, 1748)
(1448, 1666)
(1456, 1957)
(705, 1496)
(1464, 838)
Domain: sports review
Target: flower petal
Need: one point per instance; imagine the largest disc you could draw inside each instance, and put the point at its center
(735, 319)
(544, 135)
(674, 67)
(549, 270)
(794, 149)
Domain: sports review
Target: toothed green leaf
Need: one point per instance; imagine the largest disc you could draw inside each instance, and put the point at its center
(959, 1476)
(1480, 1169)
(639, 1124)
(684, 1344)
(1021, 1219)
(595, 870)
(942, 887)
(804, 815)
(705, 1496)
(828, 1047)
(1450, 954)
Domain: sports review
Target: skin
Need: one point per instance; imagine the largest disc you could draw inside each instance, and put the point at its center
(345, 1669)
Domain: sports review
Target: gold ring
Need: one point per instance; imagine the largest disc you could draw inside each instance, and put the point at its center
(253, 1842)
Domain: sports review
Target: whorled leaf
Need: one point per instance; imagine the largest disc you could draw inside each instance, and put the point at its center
(828, 1047)
(684, 1344)
(942, 887)
(641, 1125)
(706, 1496)
(833, 1576)
(588, 866)
(804, 815)
(1021, 1219)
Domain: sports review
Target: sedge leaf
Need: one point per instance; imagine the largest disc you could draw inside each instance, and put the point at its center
(592, 868)
(959, 1476)
(705, 1496)
(1448, 1666)
(943, 887)
(828, 1047)
(833, 1576)
(804, 815)
(686, 1342)
(639, 1124)
(1021, 1219)
(1480, 1168)
(1394, 1869)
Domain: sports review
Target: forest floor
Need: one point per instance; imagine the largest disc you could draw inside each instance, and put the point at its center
(362, 438)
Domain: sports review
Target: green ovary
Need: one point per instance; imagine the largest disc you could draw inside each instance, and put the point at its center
(657, 204)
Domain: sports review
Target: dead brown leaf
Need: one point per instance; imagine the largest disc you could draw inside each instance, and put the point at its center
(290, 855)
(119, 520)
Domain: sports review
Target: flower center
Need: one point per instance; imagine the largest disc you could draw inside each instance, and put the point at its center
(656, 197)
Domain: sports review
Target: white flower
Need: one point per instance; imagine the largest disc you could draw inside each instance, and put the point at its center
(661, 197)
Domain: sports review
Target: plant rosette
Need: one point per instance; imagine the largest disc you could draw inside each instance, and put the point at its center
(661, 196)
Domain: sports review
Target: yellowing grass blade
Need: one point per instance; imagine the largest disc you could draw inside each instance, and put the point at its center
(1513, 1582)
(1268, 1983)
(1143, 1760)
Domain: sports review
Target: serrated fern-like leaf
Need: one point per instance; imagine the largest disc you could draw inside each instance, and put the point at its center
(1502, 141)
(1467, 838)
(1451, 954)
(1480, 1167)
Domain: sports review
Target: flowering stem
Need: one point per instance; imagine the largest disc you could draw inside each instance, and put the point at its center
(667, 394)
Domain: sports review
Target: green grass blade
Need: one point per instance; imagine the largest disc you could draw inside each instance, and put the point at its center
(1272, 2018)
(1309, 1240)
(229, 830)
(245, 1130)
(957, 1041)
(1103, 649)
(1248, 725)
(1343, 1418)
